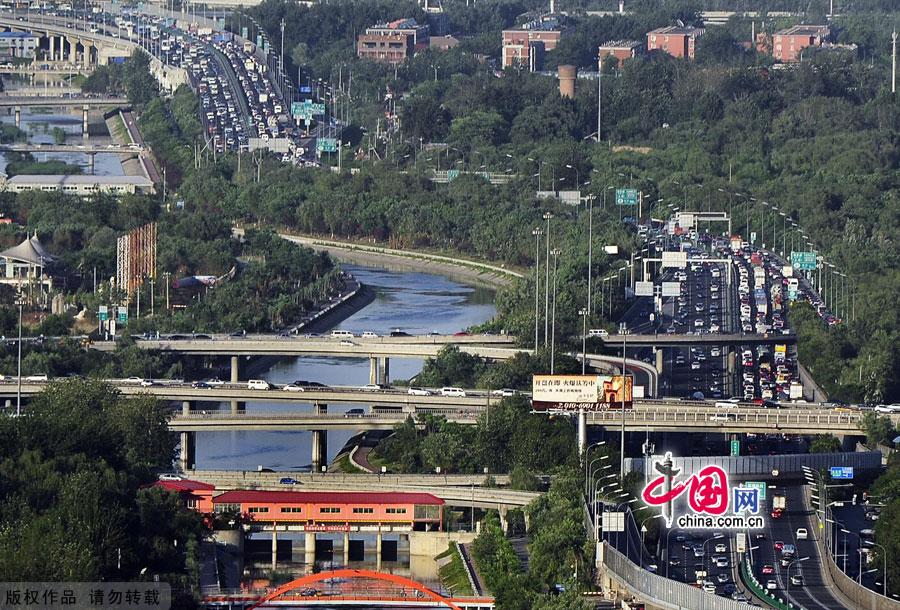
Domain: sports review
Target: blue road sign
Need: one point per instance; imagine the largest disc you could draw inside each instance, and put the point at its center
(842, 472)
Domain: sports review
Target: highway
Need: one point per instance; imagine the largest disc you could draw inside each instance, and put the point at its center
(55, 100)
(73, 148)
(709, 339)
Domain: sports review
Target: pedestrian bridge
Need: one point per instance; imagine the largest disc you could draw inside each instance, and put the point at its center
(57, 101)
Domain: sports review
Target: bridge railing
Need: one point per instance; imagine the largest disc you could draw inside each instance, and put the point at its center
(764, 465)
(659, 591)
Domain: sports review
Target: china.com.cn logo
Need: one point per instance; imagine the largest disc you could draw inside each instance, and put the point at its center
(709, 497)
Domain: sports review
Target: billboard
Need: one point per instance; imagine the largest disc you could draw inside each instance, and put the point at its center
(671, 289)
(576, 392)
(643, 289)
(674, 259)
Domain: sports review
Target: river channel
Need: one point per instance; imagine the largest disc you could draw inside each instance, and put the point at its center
(417, 303)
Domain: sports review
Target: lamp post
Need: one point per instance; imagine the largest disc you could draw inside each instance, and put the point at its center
(547, 216)
(787, 590)
(587, 466)
(668, 559)
(555, 252)
(624, 332)
(705, 556)
(582, 418)
(19, 367)
(590, 246)
(643, 537)
(537, 232)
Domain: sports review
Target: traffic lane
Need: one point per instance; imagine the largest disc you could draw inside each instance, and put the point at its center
(853, 519)
(815, 592)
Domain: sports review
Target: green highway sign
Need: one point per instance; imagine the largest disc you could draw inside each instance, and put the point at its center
(792, 295)
(328, 145)
(735, 448)
(122, 313)
(103, 313)
(452, 174)
(760, 485)
(805, 261)
(626, 196)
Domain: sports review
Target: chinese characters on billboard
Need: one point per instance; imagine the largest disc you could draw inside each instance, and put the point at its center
(576, 392)
(711, 502)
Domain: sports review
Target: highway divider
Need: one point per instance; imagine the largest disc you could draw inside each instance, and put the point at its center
(758, 590)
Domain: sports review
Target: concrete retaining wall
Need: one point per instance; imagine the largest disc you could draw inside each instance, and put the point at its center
(430, 544)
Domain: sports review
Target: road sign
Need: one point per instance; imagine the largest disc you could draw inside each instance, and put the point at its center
(612, 522)
(122, 313)
(643, 289)
(792, 295)
(760, 485)
(735, 448)
(752, 237)
(103, 313)
(741, 542)
(328, 145)
(686, 221)
(452, 174)
(626, 196)
(842, 472)
(805, 261)
(671, 289)
(674, 259)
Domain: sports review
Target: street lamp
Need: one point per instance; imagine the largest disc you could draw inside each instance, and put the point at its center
(547, 216)
(787, 590)
(583, 312)
(643, 532)
(19, 366)
(624, 332)
(555, 252)
(537, 232)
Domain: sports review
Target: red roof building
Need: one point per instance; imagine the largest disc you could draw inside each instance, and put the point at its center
(677, 41)
(788, 45)
(620, 49)
(195, 494)
(332, 510)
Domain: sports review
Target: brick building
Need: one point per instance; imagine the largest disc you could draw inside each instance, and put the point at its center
(677, 41)
(392, 42)
(788, 45)
(525, 46)
(620, 49)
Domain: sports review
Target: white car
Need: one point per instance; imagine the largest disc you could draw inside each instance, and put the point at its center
(34, 378)
(137, 380)
(771, 585)
(802, 534)
(456, 392)
(369, 335)
(258, 384)
(888, 408)
(414, 391)
(292, 387)
(721, 548)
(169, 477)
(504, 392)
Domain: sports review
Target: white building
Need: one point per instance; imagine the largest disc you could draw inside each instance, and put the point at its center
(80, 185)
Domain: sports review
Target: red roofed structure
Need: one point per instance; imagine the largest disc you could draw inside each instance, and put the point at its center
(195, 494)
(335, 510)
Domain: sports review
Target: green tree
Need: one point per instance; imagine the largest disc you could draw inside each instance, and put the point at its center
(825, 443)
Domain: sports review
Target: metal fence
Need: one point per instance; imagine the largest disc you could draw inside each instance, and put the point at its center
(659, 591)
(763, 465)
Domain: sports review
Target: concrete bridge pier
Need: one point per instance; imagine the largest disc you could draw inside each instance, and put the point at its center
(185, 407)
(309, 548)
(274, 545)
(504, 519)
(91, 157)
(187, 454)
(73, 49)
(373, 369)
(52, 40)
(378, 550)
(319, 441)
(346, 549)
(236, 406)
(384, 375)
(659, 360)
(18, 112)
(84, 130)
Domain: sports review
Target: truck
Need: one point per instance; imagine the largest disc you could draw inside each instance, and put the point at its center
(263, 98)
(780, 353)
(778, 506)
(796, 390)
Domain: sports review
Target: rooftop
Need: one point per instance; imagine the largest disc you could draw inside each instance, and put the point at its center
(621, 44)
(63, 179)
(407, 23)
(184, 485)
(678, 30)
(542, 24)
(805, 30)
(242, 496)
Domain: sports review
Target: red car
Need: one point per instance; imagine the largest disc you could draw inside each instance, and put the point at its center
(779, 545)
(776, 514)
(767, 569)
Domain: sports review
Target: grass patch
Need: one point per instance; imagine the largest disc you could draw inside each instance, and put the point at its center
(453, 575)
(118, 130)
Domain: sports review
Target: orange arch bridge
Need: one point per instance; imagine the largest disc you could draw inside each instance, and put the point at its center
(385, 588)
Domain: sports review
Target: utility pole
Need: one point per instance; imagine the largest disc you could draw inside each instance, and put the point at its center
(281, 62)
(599, 94)
(894, 61)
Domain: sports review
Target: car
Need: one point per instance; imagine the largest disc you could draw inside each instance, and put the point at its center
(136, 380)
(721, 548)
(455, 392)
(289, 481)
(415, 391)
(169, 477)
(802, 534)
(347, 343)
(369, 335)
(293, 387)
(354, 413)
(778, 545)
(258, 384)
(372, 387)
(797, 580)
(729, 588)
(709, 586)
(722, 578)
(698, 551)
(504, 392)
(200, 385)
(215, 381)
(768, 569)
(739, 597)
(145, 383)
(698, 323)
(399, 333)
(721, 562)
(771, 585)
(695, 365)
(36, 378)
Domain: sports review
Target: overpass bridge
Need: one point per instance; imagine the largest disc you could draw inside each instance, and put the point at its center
(379, 350)
(64, 38)
(87, 149)
(44, 69)
(56, 101)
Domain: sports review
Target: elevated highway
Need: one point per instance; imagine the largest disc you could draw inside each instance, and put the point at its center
(65, 36)
(87, 149)
(45, 69)
(683, 339)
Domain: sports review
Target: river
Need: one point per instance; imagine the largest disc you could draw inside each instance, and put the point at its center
(417, 303)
